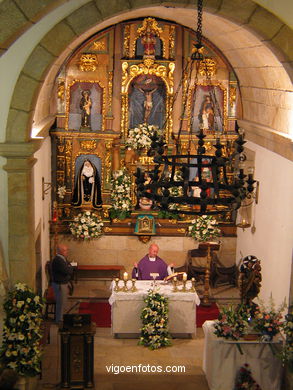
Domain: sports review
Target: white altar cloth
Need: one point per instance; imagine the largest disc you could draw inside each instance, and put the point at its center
(127, 308)
(222, 360)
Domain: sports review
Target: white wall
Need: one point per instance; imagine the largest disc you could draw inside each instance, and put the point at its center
(273, 239)
(42, 168)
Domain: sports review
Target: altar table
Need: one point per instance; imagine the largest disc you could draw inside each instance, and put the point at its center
(222, 360)
(127, 307)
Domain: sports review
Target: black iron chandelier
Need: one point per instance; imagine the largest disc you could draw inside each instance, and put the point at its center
(178, 182)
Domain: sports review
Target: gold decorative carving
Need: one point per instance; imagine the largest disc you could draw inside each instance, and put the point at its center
(172, 42)
(99, 46)
(88, 144)
(110, 92)
(68, 152)
(61, 91)
(149, 24)
(60, 162)
(126, 41)
(88, 62)
(146, 160)
(107, 229)
(68, 100)
(208, 67)
(107, 162)
(232, 95)
(60, 178)
(182, 230)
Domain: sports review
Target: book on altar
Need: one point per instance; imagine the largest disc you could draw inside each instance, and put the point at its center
(178, 275)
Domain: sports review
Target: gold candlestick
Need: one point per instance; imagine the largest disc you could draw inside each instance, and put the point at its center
(184, 285)
(116, 288)
(133, 288)
(206, 294)
(125, 285)
(192, 285)
(174, 281)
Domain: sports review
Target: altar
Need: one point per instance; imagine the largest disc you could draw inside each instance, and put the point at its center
(222, 359)
(126, 308)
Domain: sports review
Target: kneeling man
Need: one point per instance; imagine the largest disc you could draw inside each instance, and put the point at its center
(151, 263)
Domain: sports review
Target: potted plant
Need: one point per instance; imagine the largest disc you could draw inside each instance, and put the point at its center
(20, 349)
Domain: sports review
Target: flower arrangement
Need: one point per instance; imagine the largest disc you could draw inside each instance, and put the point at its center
(140, 137)
(86, 226)
(20, 349)
(61, 192)
(204, 228)
(287, 351)
(244, 379)
(154, 333)
(120, 195)
(267, 320)
(232, 323)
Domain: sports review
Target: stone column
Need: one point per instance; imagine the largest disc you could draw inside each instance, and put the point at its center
(21, 245)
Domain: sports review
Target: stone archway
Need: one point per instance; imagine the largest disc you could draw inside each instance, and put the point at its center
(42, 66)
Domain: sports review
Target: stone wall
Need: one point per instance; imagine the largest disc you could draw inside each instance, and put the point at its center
(126, 250)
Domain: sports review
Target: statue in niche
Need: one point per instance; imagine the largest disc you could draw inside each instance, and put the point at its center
(147, 96)
(85, 106)
(87, 189)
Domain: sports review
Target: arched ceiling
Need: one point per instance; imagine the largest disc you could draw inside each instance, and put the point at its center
(249, 43)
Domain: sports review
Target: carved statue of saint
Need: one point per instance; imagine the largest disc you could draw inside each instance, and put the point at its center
(85, 106)
(87, 187)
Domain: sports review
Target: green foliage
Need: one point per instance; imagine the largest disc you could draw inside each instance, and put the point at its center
(20, 349)
(154, 333)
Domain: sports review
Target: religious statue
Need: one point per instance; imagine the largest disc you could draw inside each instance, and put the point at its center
(206, 114)
(249, 279)
(147, 101)
(85, 106)
(87, 187)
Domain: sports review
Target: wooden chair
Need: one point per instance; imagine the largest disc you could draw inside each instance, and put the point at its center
(49, 296)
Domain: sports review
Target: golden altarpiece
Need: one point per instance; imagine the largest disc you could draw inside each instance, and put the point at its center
(121, 77)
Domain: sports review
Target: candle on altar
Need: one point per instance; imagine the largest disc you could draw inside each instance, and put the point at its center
(184, 276)
(125, 276)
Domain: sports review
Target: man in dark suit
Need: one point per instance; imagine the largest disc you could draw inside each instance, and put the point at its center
(61, 274)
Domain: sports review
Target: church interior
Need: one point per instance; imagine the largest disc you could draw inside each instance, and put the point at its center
(99, 102)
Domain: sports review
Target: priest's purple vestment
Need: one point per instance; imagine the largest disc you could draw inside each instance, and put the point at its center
(145, 267)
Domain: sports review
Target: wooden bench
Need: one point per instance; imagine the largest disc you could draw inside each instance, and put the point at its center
(105, 272)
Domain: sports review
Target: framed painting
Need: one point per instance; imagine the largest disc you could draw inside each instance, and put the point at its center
(210, 108)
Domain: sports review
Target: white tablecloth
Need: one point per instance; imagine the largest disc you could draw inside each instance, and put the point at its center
(127, 308)
(222, 360)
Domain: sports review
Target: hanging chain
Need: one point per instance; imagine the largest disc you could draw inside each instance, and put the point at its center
(199, 21)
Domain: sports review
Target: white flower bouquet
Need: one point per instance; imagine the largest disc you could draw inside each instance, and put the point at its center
(204, 228)
(86, 226)
(20, 349)
(120, 195)
(140, 137)
(61, 192)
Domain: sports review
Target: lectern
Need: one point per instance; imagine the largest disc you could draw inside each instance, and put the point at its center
(77, 351)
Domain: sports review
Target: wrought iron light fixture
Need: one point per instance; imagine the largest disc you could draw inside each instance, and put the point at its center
(196, 194)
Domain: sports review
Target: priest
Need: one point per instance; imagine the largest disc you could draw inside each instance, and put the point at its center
(151, 264)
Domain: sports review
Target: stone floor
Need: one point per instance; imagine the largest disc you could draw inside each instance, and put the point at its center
(110, 352)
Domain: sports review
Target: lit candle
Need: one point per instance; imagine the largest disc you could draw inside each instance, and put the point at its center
(125, 276)
(184, 276)
(175, 279)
